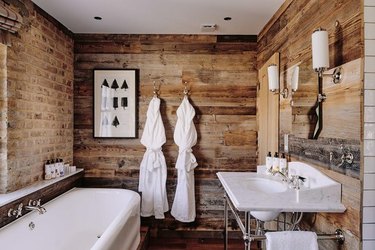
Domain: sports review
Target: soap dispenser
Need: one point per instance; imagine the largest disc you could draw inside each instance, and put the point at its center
(269, 163)
(283, 164)
(276, 162)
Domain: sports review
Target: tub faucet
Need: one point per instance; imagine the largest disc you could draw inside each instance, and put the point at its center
(35, 205)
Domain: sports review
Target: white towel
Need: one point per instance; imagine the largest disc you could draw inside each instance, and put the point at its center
(292, 240)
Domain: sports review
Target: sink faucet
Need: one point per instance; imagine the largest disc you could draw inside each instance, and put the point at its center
(294, 181)
(35, 205)
(283, 176)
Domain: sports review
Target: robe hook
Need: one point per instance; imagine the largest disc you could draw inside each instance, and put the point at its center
(186, 90)
(156, 89)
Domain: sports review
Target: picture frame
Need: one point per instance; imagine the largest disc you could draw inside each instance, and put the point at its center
(115, 103)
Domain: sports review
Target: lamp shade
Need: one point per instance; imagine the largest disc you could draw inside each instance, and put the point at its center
(320, 50)
(273, 77)
(294, 80)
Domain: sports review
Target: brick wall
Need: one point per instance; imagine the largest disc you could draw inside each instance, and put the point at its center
(3, 113)
(39, 97)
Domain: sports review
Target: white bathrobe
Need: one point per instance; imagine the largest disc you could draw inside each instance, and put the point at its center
(153, 169)
(185, 136)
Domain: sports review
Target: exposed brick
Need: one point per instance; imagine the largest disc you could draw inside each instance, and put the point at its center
(39, 101)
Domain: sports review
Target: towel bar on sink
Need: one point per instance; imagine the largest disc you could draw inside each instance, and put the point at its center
(338, 236)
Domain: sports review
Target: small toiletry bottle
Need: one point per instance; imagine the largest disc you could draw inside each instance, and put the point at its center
(268, 163)
(283, 164)
(66, 168)
(275, 162)
(47, 170)
(61, 167)
(53, 169)
(57, 168)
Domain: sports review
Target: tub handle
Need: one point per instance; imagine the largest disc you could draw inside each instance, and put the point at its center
(16, 212)
(34, 203)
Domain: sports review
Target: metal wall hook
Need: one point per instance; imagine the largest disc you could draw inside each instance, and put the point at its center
(156, 89)
(186, 89)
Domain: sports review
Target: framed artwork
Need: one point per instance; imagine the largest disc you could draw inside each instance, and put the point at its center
(115, 103)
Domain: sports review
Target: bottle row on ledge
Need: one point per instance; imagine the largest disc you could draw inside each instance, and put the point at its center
(57, 168)
(276, 163)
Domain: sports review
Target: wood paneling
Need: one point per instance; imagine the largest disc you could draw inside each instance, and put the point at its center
(222, 77)
(289, 33)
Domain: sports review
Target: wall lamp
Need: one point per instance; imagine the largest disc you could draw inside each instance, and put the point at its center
(274, 81)
(320, 61)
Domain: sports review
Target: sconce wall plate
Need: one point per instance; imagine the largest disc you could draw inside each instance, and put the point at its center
(337, 75)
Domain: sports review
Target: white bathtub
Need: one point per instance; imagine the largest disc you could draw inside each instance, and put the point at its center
(83, 218)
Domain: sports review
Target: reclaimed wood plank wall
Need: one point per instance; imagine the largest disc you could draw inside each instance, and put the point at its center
(222, 75)
(289, 33)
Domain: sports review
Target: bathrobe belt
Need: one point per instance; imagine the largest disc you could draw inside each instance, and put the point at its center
(186, 160)
(153, 158)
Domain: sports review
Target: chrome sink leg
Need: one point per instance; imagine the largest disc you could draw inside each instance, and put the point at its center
(225, 223)
(246, 236)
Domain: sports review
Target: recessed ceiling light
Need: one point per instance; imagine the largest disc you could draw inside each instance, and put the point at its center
(227, 18)
(98, 18)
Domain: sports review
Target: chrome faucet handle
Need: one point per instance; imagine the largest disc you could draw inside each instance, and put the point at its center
(16, 212)
(19, 210)
(296, 181)
(35, 203)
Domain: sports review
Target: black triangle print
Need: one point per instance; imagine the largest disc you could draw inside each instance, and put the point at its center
(124, 85)
(114, 85)
(115, 122)
(105, 83)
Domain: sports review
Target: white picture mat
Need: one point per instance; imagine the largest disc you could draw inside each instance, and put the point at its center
(127, 116)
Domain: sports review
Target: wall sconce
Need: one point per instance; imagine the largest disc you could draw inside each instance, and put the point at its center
(320, 55)
(294, 83)
(320, 61)
(273, 81)
(295, 79)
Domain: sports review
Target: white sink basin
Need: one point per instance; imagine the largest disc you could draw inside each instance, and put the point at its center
(265, 196)
(263, 185)
(267, 186)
